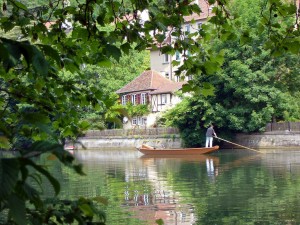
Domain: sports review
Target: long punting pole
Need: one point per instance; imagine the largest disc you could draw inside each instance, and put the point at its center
(238, 145)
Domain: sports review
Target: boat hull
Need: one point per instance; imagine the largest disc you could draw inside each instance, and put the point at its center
(147, 150)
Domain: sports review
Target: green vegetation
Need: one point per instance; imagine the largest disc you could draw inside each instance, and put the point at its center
(137, 110)
(247, 83)
(47, 93)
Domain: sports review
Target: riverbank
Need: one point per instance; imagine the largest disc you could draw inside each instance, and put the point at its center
(270, 140)
(128, 142)
(266, 140)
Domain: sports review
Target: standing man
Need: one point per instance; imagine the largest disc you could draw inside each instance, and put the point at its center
(209, 136)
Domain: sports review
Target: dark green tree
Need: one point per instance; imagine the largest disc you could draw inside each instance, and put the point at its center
(251, 83)
(44, 89)
(42, 106)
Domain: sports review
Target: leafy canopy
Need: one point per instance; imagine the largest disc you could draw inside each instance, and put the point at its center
(250, 75)
(39, 106)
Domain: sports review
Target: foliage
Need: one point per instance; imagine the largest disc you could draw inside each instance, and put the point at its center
(137, 110)
(118, 74)
(110, 79)
(255, 85)
(21, 175)
(44, 91)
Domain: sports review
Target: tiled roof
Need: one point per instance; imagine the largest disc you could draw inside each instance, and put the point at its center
(205, 12)
(170, 88)
(153, 81)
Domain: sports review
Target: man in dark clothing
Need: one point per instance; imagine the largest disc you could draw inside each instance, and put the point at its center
(209, 136)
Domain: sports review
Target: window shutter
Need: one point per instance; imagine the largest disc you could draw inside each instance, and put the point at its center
(138, 99)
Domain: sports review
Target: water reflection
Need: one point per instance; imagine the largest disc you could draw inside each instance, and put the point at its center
(229, 187)
(148, 189)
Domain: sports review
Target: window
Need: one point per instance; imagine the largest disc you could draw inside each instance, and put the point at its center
(167, 75)
(133, 99)
(163, 99)
(143, 99)
(134, 121)
(188, 53)
(177, 78)
(166, 58)
(199, 25)
(177, 56)
(187, 29)
(124, 100)
(139, 121)
(144, 120)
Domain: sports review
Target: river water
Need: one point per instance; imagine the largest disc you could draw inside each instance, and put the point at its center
(226, 187)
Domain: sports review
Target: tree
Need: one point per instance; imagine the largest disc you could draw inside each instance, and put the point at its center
(43, 90)
(39, 104)
(110, 79)
(255, 85)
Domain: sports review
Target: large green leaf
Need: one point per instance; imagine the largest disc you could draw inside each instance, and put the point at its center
(9, 53)
(19, 4)
(113, 51)
(4, 143)
(51, 52)
(9, 170)
(43, 147)
(52, 180)
(35, 58)
(17, 209)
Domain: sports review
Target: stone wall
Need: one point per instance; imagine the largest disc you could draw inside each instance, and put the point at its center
(130, 142)
(265, 140)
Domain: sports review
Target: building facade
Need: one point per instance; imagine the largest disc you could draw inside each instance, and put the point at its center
(162, 63)
(157, 87)
(152, 90)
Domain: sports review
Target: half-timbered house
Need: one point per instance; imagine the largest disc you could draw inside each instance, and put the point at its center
(152, 89)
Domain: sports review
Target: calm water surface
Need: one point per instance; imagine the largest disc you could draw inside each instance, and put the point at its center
(227, 187)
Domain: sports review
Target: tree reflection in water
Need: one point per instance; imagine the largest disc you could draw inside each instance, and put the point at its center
(229, 187)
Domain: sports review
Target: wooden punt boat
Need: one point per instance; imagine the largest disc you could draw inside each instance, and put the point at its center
(148, 150)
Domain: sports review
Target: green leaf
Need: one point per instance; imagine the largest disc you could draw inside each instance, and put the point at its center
(160, 37)
(35, 58)
(36, 118)
(210, 67)
(78, 169)
(70, 65)
(100, 199)
(293, 47)
(104, 63)
(9, 53)
(9, 170)
(45, 146)
(186, 88)
(113, 51)
(86, 209)
(175, 63)
(125, 48)
(68, 131)
(17, 209)
(160, 222)
(4, 143)
(19, 5)
(84, 124)
(245, 38)
(52, 180)
(51, 52)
